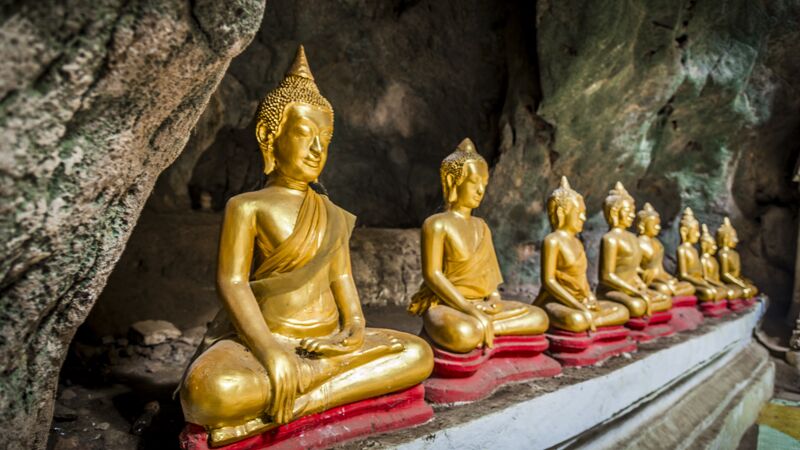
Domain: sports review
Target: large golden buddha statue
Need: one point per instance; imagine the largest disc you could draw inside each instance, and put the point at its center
(459, 301)
(729, 262)
(621, 257)
(649, 225)
(291, 338)
(689, 267)
(708, 260)
(565, 293)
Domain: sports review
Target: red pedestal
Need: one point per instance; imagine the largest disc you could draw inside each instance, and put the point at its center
(584, 349)
(395, 411)
(715, 309)
(644, 329)
(685, 315)
(467, 377)
(741, 304)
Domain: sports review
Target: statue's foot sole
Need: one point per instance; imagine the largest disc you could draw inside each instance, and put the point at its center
(718, 308)
(685, 315)
(467, 377)
(741, 304)
(586, 349)
(404, 409)
(644, 329)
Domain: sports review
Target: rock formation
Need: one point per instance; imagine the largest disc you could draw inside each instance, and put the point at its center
(96, 99)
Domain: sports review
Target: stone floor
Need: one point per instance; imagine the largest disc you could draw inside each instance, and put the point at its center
(117, 394)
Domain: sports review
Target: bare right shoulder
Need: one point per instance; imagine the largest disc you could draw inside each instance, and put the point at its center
(436, 223)
(553, 240)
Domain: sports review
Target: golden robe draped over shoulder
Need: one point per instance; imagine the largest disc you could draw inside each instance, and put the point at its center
(475, 277)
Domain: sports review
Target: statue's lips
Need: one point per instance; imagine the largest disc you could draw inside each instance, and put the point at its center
(314, 164)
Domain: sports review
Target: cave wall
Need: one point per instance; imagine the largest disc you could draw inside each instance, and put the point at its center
(96, 99)
(689, 103)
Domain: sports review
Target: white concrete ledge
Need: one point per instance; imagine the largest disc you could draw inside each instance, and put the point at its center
(647, 385)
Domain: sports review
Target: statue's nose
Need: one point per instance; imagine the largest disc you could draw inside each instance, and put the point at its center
(316, 146)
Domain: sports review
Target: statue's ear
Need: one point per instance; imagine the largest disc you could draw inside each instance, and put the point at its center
(450, 182)
(561, 215)
(613, 217)
(261, 133)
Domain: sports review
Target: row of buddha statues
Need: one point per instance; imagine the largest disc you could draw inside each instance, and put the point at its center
(291, 340)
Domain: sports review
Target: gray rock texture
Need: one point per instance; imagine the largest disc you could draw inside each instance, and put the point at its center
(96, 99)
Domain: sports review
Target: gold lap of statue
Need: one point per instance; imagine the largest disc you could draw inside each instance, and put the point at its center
(708, 260)
(291, 338)
(458, 300)
(621, 257)
(729, 262)
(565, 294)
(690, 269)
(649, 225)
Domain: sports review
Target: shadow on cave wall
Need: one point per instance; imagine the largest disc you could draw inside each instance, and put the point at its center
(686, 105)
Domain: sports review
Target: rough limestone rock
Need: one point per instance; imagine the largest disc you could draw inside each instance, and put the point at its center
(688, 103)
(96, 99)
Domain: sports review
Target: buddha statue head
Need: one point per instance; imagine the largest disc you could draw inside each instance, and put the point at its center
(726, 235)
(648, 221)
(689, 227)
(565, 209)
(619, 207)
(294, 125)
(465, 175)
(707, 243)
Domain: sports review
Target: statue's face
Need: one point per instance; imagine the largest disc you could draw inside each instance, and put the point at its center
(470, 190)
(626, 214)
(652, 226)
(301, 147)
(575, 215)
(692, 233)
(708, 246)
(731, 239)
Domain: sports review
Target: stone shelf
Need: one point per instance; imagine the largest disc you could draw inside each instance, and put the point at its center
(710, 372)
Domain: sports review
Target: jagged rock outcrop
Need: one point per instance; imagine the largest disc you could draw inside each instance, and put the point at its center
(96, 99)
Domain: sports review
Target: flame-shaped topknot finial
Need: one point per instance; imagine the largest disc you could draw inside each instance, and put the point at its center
(300, 66)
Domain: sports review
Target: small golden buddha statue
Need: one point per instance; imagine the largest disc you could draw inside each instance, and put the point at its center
(690, 268)
(652, 266)
(621, 257)
(291, 338)
(565, 294)
(458, 300)
(708, 260)
(729, 262)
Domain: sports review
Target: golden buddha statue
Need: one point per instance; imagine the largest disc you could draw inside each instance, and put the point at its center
(565, 294)
(689, 267)
(458, 300)
(729, 262)
(291, 338)
(621, 257)
(652, 266)
(708, 260)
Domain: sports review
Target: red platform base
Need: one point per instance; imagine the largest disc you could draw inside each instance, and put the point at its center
(740, 304)
(685, 315)
(395, 411)
(715, 309)
(653, 327)
(584, 349)
(467, 377)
